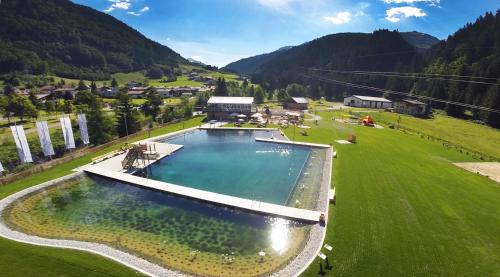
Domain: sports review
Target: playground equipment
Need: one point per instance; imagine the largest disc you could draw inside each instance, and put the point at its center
(367, 121)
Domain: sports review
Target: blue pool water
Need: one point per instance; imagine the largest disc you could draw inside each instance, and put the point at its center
(233, 163)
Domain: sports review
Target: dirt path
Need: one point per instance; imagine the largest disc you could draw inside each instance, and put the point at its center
(488, 169)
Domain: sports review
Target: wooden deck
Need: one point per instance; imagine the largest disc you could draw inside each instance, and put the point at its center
(216, 198)
(293, 142)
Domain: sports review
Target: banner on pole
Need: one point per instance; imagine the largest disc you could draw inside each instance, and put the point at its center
(69, 139)
(84, 134)
(23, 149)
(1, 167)
(44, 135)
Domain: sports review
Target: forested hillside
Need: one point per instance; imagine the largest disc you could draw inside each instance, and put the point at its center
(253, 64)
(474, 50)
(70, 40)
(381, 50)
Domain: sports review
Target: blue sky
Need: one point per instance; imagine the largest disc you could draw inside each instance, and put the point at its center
(221, 31)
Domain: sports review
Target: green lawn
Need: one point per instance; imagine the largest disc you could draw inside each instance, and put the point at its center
(470, 135)
(123, 78)
(403, 209)
(182, 81)
(17, 259)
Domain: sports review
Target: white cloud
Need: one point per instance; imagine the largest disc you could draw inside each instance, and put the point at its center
(396, 14)
(118, 4)
(339, 18)
(411, 1)
(134, 13)
(283, 6)
(145, 9)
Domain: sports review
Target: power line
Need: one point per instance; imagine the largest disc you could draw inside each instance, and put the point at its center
(410, 75)
(401, 93)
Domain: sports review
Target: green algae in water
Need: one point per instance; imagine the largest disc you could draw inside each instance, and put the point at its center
(159, 227)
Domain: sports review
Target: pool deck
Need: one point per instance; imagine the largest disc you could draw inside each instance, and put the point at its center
(232, 201)
(114, 162)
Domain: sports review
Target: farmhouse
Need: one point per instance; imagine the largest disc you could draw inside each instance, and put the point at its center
(367, 102)
(411, 107)
(220, 108)
(108, 92)
(297, 103)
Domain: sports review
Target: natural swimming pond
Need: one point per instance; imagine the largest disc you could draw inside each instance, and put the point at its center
(177, 233)
(234, 163)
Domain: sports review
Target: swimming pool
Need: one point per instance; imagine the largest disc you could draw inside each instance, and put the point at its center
(176, 233)
(234, 163)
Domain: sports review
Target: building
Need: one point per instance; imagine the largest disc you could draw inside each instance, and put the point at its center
(135, 94)
(367, 102)
(164, 92)
(221, 107)
(411, 107)
(109, 92)
(179, 91)
(64, 92)
(297, 103)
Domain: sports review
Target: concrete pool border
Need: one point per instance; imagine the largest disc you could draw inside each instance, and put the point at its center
(295, 267)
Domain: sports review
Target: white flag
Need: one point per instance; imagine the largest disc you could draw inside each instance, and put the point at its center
(69, 140)
(1, 167)
(44, 135)
(84, 134)
(21, 144)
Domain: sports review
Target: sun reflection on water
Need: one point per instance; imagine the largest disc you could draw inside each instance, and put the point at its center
(279, 235)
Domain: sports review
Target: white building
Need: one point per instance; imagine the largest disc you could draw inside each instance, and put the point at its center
(221, 107)
(367, 102)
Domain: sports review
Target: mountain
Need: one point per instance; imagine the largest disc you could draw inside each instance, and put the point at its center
(473, 50)
(419, 40)
(253, 64)
(381, 50)
(196, 62)
(70, 40)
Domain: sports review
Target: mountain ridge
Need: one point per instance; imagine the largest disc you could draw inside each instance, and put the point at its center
(72, 40)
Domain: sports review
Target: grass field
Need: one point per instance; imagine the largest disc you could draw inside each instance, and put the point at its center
(403, 209)
(182, 81)
(470, 135)
(17, 259)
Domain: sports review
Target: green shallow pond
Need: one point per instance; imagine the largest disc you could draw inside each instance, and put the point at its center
(176, 233)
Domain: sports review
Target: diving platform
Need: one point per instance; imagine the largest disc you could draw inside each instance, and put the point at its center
(211, 197)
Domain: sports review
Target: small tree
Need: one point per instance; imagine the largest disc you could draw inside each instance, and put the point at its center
(114, 83)
(153, 103)
(259, 96)
(81, 85)
(101, 127)
(128, 119)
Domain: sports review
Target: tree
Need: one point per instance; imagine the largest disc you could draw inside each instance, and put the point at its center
(153, 103)
(68, 106)
(296, 90)
(282, 96)
(185, 109)
(33, 99)
(101, 126)
(114, 83)
(221, 87)
(93, 87)
(50, 107)
(259, 96)
(84, 97)
(81, 85)
(127, 118)
(9, 90)
(20, 106)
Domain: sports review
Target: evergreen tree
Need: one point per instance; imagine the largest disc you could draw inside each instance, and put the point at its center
(114, 83)
(153, 103)
(101, 126)
(259, 96)
(93, 87)
(128, 121)
(81, 85)
(221, 87)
